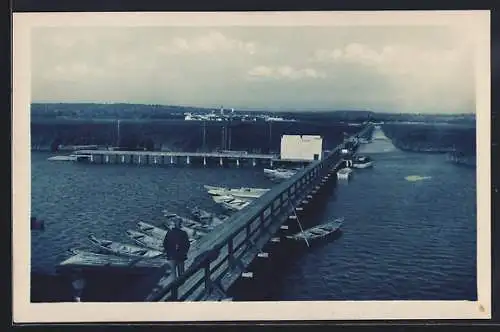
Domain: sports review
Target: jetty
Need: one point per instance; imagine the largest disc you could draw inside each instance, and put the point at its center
(224, 255)
(173, 158)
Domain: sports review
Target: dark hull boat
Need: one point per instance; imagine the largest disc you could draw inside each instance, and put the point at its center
(123, 249)
(145, 240)
(318, 232)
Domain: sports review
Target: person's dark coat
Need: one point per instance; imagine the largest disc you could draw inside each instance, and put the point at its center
(176, 244)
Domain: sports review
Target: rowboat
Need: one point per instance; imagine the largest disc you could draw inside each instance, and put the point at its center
(123, 249)
(344, 173)
(319, 231)
(190, 226)
(231, 203)
(154, 231)
(206, 217)
(279, 173)
(92, 259)
(157, 232)
(145, 240)
(362, 162)
(243, 192)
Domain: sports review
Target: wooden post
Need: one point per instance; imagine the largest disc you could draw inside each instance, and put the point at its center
(208, 283)
(263, 219)
(230, 253)
(174, 293)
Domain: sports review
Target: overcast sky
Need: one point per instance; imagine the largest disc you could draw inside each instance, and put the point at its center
(393, 69)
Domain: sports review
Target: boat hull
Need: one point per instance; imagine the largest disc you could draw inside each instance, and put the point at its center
(363, 165)
(318, 232)
(123, 249)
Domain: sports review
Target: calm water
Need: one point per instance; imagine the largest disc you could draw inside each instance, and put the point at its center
(400, 240)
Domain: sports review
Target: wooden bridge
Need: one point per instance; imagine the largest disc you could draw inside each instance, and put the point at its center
(223, 256)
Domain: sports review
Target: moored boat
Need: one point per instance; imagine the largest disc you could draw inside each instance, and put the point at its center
(206, 217)
(194, 229)
(231, 203)
(123, 249)
(362, 162)
(159, 233)
(243, 192)
(145, 240)
(344, 173)
(319, 231)
(153, 231)
(279, 173)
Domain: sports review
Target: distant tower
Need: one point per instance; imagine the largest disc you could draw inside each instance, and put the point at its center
(118, 133)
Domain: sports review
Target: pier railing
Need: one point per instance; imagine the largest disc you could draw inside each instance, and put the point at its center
(228, 250)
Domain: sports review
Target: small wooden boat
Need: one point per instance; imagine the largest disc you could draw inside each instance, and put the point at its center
(145, 240)
(279, 173)
(190, 226)
(206, 217)
(123, 249)
(157, 232)
(362, 162)
(319, 231)
(85, 258)
(153, 231)
(231, 203)
(243, 192)
(344, 173)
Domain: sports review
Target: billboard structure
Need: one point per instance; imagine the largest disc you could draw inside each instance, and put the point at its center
(301, 147)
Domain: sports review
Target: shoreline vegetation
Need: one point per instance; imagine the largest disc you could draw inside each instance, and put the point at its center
(58, 126)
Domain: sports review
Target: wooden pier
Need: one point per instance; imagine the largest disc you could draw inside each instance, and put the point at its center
(224, 255)
(174, 158)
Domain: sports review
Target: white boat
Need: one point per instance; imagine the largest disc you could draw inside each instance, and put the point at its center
(206, 217)
(63, 158)
(319, 231)
(344, 173)
(279, 173)
(231, 203)
(194, 229)
(157, 232)
(123, 249)
(145, 240)
(242, 192)
(154, 231)
(362, 162)
(85, 257)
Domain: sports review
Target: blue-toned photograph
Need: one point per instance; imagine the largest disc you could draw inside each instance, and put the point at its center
(253, 163)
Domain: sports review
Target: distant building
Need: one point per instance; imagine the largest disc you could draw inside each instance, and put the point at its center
(301, 147)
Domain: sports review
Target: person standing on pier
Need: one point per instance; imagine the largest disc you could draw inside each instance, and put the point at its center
(176, 245)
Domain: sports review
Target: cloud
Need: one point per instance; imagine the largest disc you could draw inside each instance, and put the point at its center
(283, 72)
(395, 60)
(214, 41)
(74, 72)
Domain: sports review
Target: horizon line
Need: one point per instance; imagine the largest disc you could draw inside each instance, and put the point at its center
(323, 109)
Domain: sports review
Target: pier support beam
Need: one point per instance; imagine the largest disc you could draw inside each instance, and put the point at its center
(155, 160)
(139, 159)
(188, 160)
(91, 158)
(171, 160)
(271, 163)
(204, 161)
(106, 159)
(238, 162)
(254, 162)
(123, 159)
(220, 161)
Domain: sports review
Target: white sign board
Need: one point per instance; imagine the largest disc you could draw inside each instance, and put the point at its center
(301, 147)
